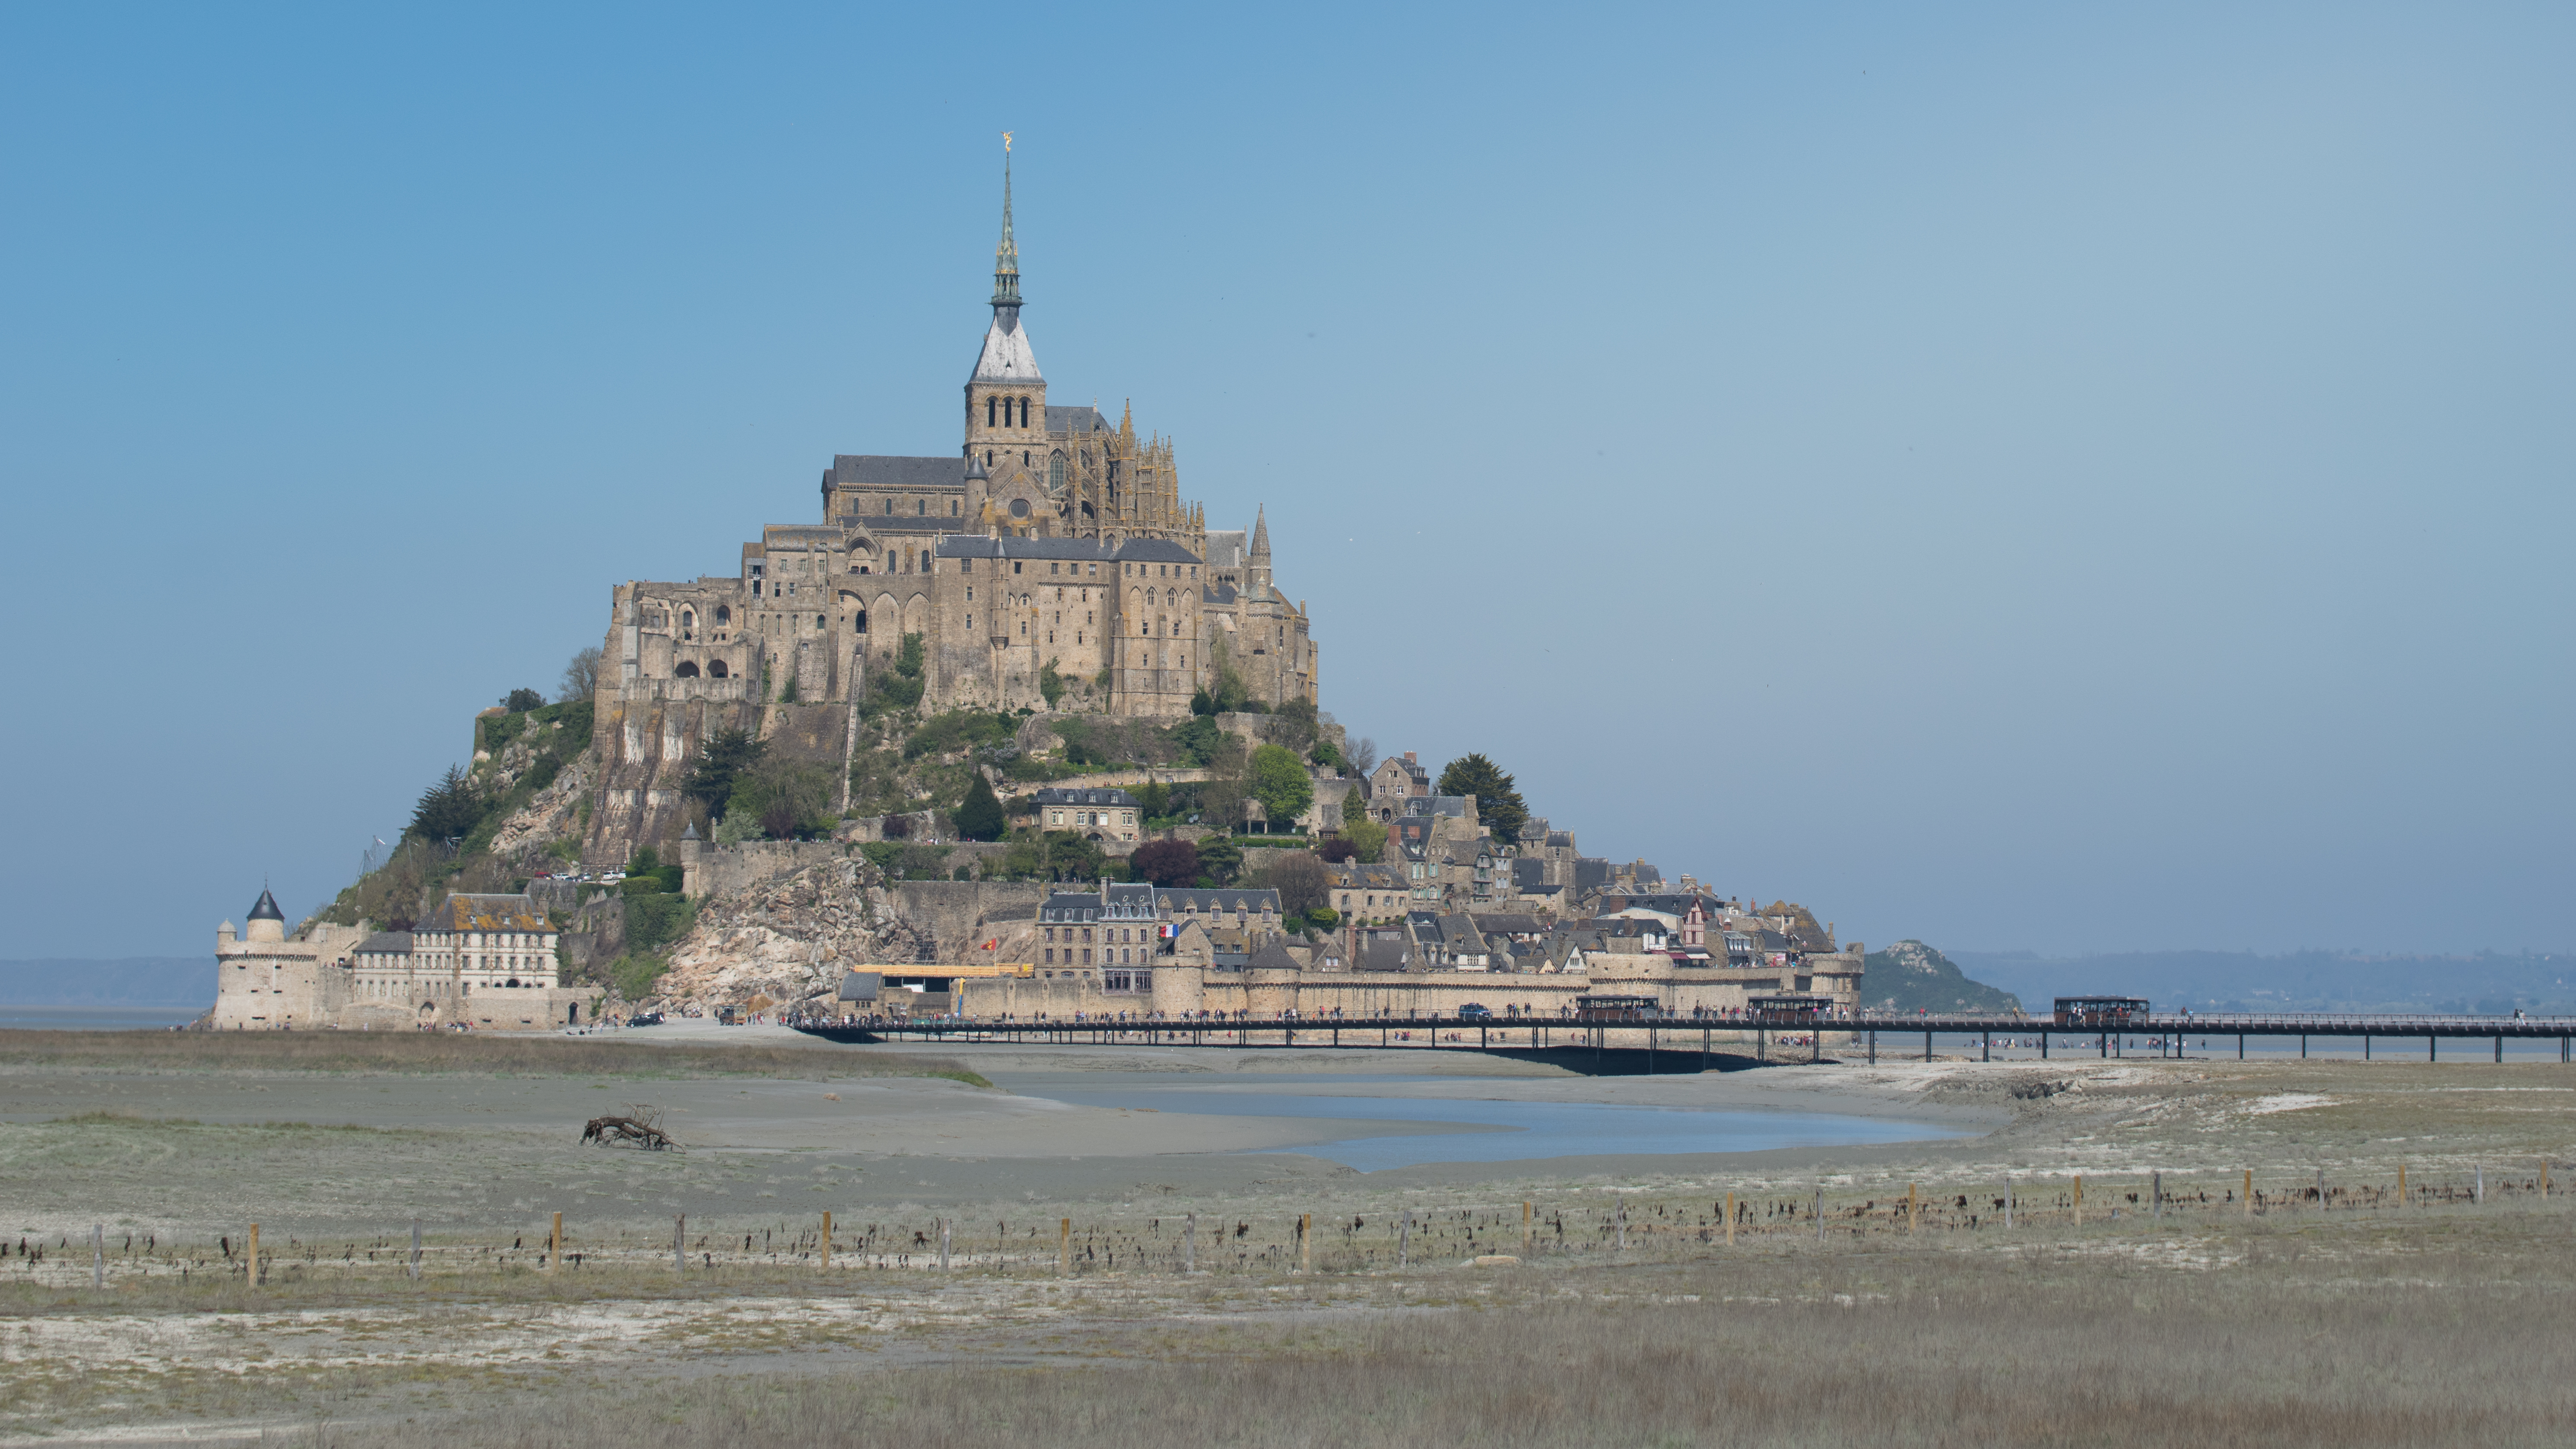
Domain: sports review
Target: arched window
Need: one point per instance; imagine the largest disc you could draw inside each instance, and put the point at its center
(686, 670)
(1055, 472)
(724, 613)
(988, 412)
(821, 622)
(1024, 412)
(859, 621)
(688, 618)
(716, 669)
(889, 505)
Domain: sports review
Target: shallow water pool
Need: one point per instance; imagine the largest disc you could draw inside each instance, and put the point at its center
(1453, 1130)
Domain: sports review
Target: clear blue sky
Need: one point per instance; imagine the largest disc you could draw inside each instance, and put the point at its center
(2078, 478)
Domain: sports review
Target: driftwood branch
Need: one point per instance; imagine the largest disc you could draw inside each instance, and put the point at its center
(640, 1127)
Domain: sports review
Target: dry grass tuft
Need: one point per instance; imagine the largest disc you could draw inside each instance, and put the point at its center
(396, 1051)
(1907, 1350)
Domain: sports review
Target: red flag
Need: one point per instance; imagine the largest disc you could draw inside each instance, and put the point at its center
(996, 941)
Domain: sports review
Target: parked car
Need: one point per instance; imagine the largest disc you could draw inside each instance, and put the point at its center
(645, 1018)
(1475, 1012)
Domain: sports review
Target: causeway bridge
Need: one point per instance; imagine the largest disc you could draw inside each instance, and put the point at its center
(1626, 1043)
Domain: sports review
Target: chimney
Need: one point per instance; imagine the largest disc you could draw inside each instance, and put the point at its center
(1408, 758)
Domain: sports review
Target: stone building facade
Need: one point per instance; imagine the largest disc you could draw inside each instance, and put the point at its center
(479, 962)
(1052, 541)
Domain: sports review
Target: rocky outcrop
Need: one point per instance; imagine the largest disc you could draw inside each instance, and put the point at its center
(791, 937)
(1910, 976)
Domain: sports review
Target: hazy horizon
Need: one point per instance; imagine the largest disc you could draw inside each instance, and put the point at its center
(2083, 479)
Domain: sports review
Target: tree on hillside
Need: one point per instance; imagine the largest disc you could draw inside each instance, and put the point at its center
(1362, 756)
(1367, 837)
(449, 809)
(1300, 880)
(1278, 780)
(1498, 805)
(979, 815)
(1166, 862)
(520, 701)
(722, 759)
(1219, 859)
(580, 677)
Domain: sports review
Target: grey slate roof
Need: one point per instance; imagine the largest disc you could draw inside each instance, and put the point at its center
(1057, 795)
(1221, 594)
(1134, 550)
(1118, 901)
(1088, 419)
(1224, 898)
(386, 943)
(1271, 957)
(265, 908)
(872, 470)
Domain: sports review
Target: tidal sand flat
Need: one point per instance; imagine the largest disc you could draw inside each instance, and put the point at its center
(1251, 1290)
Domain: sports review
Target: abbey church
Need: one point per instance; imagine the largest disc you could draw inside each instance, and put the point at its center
(1054, 549)
(1053, 537)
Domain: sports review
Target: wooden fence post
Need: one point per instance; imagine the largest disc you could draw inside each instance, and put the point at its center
(2249, 1188)
(1525, 1212)
(1730, 1219)
(1913, 1206)
(1404, 1240)
(827, 1241)
(98, 1255)
(680, 1243)
(1190, 1245)
(2079, 1199)
(2156, 1197)
(2008, 1204)
(415, 1250)
(1064, 1246)
(2401, 1184)
(254, 1255)
(1623, 1225)
(554, 1243)
(1306, 1243)
(1820, 1214)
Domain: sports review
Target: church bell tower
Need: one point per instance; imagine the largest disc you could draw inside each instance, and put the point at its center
(1006, 396)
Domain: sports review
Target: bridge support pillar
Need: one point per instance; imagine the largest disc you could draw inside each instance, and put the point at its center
(2499, 1046)
(2240, 1046)
(1873, 1049)
(2043, 1046)
(2303, 1046)
(1986, 1046)
(1927, 1046)
(2432, 1048)
(2365, 1046)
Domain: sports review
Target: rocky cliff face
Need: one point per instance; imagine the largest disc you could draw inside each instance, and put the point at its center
(791, 937)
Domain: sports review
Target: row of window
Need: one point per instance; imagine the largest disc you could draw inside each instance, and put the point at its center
(1122, 956)
(997, 411)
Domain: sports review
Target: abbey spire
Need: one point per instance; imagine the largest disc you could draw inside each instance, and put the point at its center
(1006, 256)
(1006, 395)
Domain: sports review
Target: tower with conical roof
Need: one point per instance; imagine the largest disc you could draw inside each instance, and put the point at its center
(1257, 562)
(1006, 395)
(267, 922)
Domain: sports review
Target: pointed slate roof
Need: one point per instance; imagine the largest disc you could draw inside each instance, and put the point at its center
(266, 908)
(1006, 356)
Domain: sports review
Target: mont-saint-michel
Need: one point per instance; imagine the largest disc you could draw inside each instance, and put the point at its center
(1015, 731)
(652, 955)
